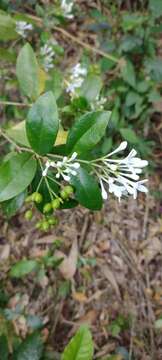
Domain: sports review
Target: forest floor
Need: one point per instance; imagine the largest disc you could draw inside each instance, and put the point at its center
(115, 286)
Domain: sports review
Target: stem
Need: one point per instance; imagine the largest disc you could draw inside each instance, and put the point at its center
(77, 40)
(3, 134)
(14, 103)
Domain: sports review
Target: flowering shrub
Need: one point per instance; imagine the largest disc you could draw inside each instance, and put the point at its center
(54, 169)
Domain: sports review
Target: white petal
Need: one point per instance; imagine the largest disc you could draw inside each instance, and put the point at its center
(103, 191)
(73, 156)
(65, 177)
(75, 165)
(121, 147)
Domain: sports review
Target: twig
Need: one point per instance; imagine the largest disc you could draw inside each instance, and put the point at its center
(2, 133)
(78, 41)
(86, 46)
(145, 217)
(14, 103)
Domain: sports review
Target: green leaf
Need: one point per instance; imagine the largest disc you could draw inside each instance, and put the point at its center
(80, 347)
(87, 190)
(18, 134)
(87, 131)
(91, 87)
(128, 73)
(132, 21)
(7, 27)
(4, 351)
(10, 207)
(129, 135)
(16, 174)
(42, 124)
(55, 83)
(156, 7)
(27, 71)
(23, 268)
(30, 349)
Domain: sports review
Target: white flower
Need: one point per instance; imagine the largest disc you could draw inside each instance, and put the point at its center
(22, 27)
(47, 53)
(65, 168)
(78, 73)
(121, 176)
(66, 7)
(98, 103)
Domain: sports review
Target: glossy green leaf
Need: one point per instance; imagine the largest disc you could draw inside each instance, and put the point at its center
(87, 131)
(30, 349)
(27, 71)
(23, 268)
(10, 207)
(87, 190)
(91, 87)
(80, 347)
(16, 174)
(128, 73)
(129, 135)
(7, 27)
(42, 124)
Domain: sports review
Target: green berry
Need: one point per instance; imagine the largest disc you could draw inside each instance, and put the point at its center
(45, 225)
(55, 204)
(47, 208)
(38, 225)
(69, 189)
(28, 199)
(53, 221)
(64, 194)
(38, 198)
(28, 215)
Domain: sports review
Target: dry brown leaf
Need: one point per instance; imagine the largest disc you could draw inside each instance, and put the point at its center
(111, 278)
(89, 318)
(81, 297)
(69, 264)
(4, 252)
(153, 248)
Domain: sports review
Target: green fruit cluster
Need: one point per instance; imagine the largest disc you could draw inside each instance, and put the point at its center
(48, 220)
(46, 223)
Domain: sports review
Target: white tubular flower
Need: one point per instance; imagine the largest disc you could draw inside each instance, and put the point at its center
(66, 7)
(65, 168)
(22, 27)
(78, 73)
(121, 176)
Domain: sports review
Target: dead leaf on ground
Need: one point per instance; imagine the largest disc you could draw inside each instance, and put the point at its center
(111, 278)
(4, 252)
(69, 264)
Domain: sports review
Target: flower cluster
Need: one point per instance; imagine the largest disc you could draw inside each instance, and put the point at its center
(47, 53)
(121, 176)
(22, 27)
(117, 176)
(98, 103)
(78, 74)
(67, 7)
(65, 168)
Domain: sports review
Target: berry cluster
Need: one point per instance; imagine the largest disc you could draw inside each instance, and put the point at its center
(48, 220)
